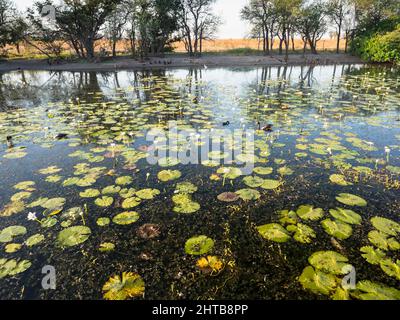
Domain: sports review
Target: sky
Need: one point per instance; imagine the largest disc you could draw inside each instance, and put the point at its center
(229, 10)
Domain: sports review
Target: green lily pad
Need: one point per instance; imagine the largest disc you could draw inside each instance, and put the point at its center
(48, 222)
(25, 185)
(168, 175)
(102, 222)
(383, 241)
(339, 179)
(199, 245)
(230, 173)
(147, 194)
(270, 184)
(317, 281)
(49, 170)
(126, 218)
(54, 203)
(368, 290)
(131, 203)
(346, 216)
(308, 212)
(351, 200)
(372, 255)
(263, 170)
(104, 201)
(106, 247)
(302, 233)
(123, 181)
(7, 234)
(248, 194)
(387, 226)
(185, 187)
(12, 208)
(73, 236)
(274, 232)
(34, 240)
(168, 162)
(111, 190)
(253, 182)
(288, 217)
(337, 229)
(13, 267)
(122, 287)
(285, 171)
(329, 262)
(13, 247)
(89, 193)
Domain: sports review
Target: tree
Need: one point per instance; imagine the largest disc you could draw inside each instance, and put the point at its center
(78, 22)
(11, 24)
(338, 11)
(261, 15)
(311, 24)
(194, 15)
(115, 25)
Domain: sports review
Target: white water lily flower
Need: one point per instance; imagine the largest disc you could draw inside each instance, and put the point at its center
(329, 150)
(32, 216)
(387, 150)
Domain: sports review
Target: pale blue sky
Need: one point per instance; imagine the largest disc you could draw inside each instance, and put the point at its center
(229, 10)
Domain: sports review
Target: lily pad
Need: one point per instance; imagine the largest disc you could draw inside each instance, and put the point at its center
(308, 212)
(302, 233)
(263, 170)
(339, 179)
(124, 286)
(351, 200)
(317, 281)
(346, 216)
(387, 226)
(270, 184)
(54, 203)
(185, 187)
(228, 197)
(104, 201)
(131, 203)
(73, 236)
(199, 245)
(329, 262)
(248, 194)
(111, 190)
(102, 222)
(147, 194)
(274, 232)
(253, 182)
(126, 218)
(337, 229)
(168, 175)
(123, 181)
(369, 290)
(7, 234)
(106, 246)
(383, 241)
(34, 240)
(90, 193)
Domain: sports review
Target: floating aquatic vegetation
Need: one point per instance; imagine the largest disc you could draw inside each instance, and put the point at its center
(127, 193)
(199, 245)
(383, 241)
(230, 172)
(102, 222)
(330, 262)
(168, 175)
(346, 216)
(288, 217)
(20, 196)
(126, 218)
(13, 267)
(9, 233)
(168, 162)
(26, 186)
(274, 232)
(148, 231)
(104, 201)
(131, 203)
(148, 194)
(124, 286)
(111, 190)
(49, 170)
(270, 184)
(302, 233)
(48, 222)
(253, 182)
(185, 187)
(106, 247)
(12, 247)
(90, 193)
(34, 240)
(12, 208)
(285, 171)
(54, 203)
(124, 181)
(308, 212)
(73, 236)
(228, 197)
(385, 225)
(337, 229)
(339, 179)
(368, 290)
(263, 170)
(372, 255)
(317, 281)
(351, 200)
(391, 268)
(184, 203)
(210, 264)
(248, 194)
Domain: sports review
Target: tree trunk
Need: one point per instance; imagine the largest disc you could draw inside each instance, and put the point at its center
(338, 38)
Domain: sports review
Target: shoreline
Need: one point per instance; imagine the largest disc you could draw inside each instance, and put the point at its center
(183, 61)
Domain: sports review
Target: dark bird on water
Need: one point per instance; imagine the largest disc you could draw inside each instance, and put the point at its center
(267, 128)
(61, 136)
(227, 123)
(10, 143)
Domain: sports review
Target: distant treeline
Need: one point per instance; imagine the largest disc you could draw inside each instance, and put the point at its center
(152, 26)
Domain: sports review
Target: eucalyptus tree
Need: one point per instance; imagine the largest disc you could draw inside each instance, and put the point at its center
(11, 24)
